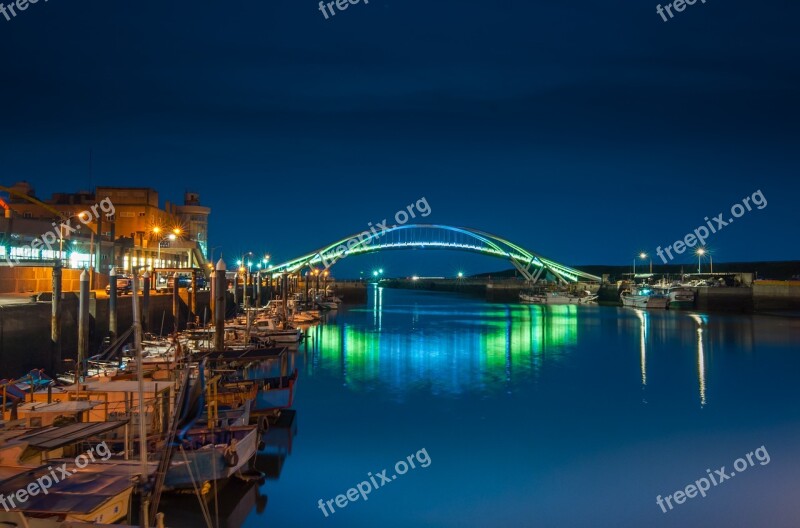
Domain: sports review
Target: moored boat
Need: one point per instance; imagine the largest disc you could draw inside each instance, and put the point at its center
(203, 456)
(644, 297)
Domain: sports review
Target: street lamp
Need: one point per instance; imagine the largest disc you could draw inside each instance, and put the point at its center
(171, 236)
(643, 256)
(700, 252)
(460, 274)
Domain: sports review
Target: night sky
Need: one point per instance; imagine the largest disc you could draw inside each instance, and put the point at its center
(587, 131)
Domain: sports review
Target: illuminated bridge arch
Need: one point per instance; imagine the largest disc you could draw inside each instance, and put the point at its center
(430, 236)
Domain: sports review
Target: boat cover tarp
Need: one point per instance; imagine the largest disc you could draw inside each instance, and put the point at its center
(50, 438)
(81, 492)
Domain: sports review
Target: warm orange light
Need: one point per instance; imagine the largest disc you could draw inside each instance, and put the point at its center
(177, 230)
(156, 230)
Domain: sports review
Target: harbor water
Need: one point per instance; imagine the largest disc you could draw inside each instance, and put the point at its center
(528, 415)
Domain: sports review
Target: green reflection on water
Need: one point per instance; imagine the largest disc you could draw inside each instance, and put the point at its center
(453, 349)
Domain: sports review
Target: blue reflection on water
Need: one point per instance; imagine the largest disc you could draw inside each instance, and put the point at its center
(539, 416)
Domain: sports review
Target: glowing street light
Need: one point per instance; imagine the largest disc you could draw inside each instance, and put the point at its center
(643, 256)
(171, 237)
(460, 274)
(700, 253)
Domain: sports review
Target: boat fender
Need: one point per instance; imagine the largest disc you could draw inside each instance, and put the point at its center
(230, 456)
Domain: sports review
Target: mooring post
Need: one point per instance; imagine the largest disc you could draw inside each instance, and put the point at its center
(219, 307)
(146, 301)
(55, 318)
(244, 290)
(193, 296)
(112, 303)
(176, 300)
(213, 285)
(83, 326)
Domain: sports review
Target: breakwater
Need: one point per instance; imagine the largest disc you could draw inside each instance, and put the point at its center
(762, 296)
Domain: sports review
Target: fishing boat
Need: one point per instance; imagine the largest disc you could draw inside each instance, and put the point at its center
(98, 493)
(555, 297)
(275, 393)
(644, 297)
(681, 297)
(269, 327)
(204, 455)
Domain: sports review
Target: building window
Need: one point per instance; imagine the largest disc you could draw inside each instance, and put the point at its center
(142, 214)
(27, 215)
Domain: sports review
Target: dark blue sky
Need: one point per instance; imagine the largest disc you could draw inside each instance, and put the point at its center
(587, 131)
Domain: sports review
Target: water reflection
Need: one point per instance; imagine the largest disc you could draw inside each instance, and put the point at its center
(493, 345)
(235, 501)
(701, 320)
(669, 324)
(643, 318)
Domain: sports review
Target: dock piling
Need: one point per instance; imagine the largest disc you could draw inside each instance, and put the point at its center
(55, 318)
(219, 307)
(176, 300)
(112, 303)
(213, 286)
(146, 301)
(83, 325)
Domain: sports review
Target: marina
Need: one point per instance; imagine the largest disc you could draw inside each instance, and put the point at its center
(419, 265)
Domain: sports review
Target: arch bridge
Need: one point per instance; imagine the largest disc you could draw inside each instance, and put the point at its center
(531, 266)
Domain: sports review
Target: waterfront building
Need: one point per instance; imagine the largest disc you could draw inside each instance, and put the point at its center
(139, 233)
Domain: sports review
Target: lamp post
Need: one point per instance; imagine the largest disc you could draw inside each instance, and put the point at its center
(171, 237)
(700, 252)
(643, 256)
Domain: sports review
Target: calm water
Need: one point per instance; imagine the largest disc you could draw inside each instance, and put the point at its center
(537, 416)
